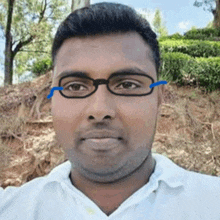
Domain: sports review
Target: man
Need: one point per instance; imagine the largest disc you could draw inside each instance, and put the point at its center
(107, 132)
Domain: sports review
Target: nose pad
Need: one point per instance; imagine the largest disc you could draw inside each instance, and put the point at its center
(98, 82)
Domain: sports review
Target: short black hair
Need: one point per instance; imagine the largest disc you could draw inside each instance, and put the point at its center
(102, 19)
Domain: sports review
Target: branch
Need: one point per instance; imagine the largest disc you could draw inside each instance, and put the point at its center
(36, 42)
(13, 43)
(198, 4)
(43, 12)
(207, 3)
(22, 44)
(20, 40)
(15, 136)
(33, 51)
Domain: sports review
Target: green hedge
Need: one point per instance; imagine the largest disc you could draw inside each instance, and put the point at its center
(171, 64)
(204, 72)
(41, 67)
(194, 58)
(207, 72)
(196, 34)
(194, 48)
(203, 33)
(175, 36)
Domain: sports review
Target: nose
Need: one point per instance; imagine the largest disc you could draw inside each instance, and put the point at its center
(101, 103)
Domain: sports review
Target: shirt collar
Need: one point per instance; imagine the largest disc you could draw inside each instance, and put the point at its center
(165, 170)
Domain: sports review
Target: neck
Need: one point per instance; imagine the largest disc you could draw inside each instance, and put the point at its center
(109, 196)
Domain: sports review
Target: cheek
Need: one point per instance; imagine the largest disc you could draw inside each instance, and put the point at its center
(140, 118)
(65, 118)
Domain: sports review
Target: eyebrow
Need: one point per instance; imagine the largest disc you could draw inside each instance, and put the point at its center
(124, 70)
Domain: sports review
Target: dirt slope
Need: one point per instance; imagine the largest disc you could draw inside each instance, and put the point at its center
(188, 131)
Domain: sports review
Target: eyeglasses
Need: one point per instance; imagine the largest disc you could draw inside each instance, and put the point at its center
(122, 84)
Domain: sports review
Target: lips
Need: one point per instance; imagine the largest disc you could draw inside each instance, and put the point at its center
(95, 134)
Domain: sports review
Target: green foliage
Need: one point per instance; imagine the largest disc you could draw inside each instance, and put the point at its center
(172, 63)
(204, 72)
(41, 67)
(207, 72)
(159, 28)
(157, 20)
(157, 25)
(194, 48)
(175, 36)
(26, 22)
(209, 34)
(193, 59)
(203, 34)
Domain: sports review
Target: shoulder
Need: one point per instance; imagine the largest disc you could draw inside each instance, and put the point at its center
(41, 193)
(24, 202)
(202, 194)
(201, 187)
(25, 191)
(199, 194)
(36, 188)
(191, 180)
(201, 183)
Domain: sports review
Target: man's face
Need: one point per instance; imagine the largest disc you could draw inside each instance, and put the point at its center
(132, 118)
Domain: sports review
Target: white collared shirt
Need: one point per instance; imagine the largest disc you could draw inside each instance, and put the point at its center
(172, 193)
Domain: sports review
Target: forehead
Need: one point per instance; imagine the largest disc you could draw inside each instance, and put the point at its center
(104, 52)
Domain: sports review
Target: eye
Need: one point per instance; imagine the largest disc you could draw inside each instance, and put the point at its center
(128, 83)
(74, 86)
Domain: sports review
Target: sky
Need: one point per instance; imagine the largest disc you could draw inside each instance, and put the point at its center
(179, 16)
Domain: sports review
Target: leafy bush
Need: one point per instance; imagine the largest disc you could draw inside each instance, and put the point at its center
(175, 36)
(207, 70)
(204, 72)
(171, 65)
(192, 58)
(211, 34)
(202, 34)
(41, 67)
(194, 48)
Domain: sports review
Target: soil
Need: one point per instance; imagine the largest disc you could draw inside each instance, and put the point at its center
(188, 131)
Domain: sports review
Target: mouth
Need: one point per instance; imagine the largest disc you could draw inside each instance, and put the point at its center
(96, 138)
(102, 144)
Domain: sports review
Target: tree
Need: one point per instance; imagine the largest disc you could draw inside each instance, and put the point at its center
(76, 4)
(27, 26)
(154, 19)
(215, 10)
(9, 55)
(158, 26)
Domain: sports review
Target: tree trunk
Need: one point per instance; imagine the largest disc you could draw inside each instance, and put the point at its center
(216, 14)
(77, 4)
(8, 47)
(8, 62)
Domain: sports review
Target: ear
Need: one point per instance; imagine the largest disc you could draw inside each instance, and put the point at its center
(161, 90)
(52, 73)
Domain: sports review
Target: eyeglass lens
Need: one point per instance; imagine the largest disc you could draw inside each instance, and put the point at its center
(75, 86)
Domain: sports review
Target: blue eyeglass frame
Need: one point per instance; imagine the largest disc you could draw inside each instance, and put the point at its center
(97, 82)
